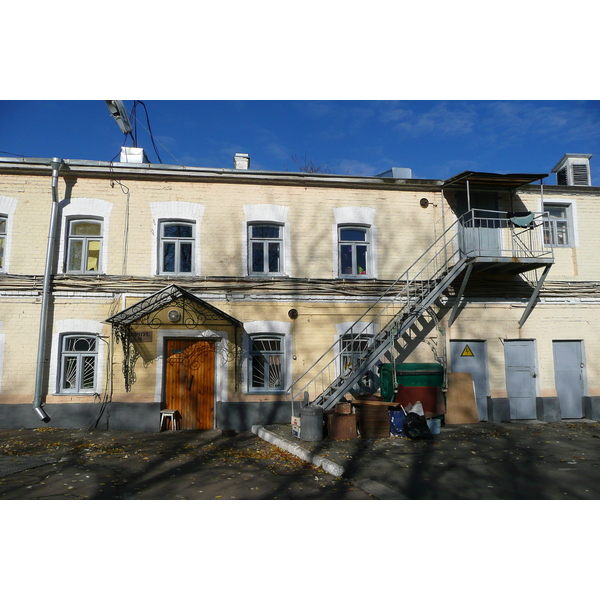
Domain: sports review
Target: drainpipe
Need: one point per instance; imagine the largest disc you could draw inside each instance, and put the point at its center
(39, 373)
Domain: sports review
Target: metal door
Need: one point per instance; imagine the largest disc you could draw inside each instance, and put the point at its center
(569, 377)
(521, 378)
(470, 356)
(481, 227)
(189, 382)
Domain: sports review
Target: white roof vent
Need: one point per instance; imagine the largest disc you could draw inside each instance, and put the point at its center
(573, 169)
(133, 155)
(241, 161)
(397, 173)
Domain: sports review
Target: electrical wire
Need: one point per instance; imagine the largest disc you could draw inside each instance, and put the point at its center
(106, 397)
(134, 116)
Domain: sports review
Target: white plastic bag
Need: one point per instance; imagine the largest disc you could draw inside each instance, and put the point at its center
(418, 408)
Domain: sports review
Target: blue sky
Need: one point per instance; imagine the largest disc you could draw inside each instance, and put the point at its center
(436, 138)
(437, 87)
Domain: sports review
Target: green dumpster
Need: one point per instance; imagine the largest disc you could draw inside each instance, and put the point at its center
(409, 375)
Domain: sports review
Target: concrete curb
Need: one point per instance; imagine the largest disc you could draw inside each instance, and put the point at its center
(327, 465)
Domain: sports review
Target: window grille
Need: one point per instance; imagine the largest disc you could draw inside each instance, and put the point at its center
(266, 363)
(79, 359)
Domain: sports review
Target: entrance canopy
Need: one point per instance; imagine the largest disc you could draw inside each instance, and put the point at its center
(195, 310)
(185, 310)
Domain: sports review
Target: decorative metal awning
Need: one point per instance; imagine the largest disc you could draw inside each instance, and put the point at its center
(188, 311)
(195, 311)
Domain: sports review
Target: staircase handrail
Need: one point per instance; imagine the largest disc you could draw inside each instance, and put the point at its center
(405, 281)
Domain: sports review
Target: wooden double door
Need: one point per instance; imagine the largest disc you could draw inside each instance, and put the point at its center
(190, 381)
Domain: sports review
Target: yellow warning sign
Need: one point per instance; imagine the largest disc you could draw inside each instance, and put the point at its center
(467, 352)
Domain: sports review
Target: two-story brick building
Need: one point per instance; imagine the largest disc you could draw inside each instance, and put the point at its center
(129, 287)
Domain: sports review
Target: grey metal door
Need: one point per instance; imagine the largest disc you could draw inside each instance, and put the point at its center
(521, 373)
(480, 228)
(470, 356)
(569, 377)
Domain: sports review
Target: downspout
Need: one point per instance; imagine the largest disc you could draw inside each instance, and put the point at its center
(39, 373)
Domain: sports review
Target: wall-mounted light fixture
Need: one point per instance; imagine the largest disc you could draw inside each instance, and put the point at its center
(174, 315)
(424, 202)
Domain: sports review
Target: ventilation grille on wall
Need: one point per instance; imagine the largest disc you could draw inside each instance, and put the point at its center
(561, 177)
(573, 169)
(580, 175)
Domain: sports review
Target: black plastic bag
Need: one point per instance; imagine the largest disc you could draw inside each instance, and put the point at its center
(416, 428)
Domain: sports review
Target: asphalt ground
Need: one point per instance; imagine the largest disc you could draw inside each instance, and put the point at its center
(530, 460)
(523, 460)
(51, 464)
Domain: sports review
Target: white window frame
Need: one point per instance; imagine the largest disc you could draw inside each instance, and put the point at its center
(82, 327)
(175, 211)
(349, 357)
(71, 238)
(85, 209)
(266, 242)
(363, 330)
(551, 225)
(279, 354)
(267, 328)
(357, 216)
(8, 207)
(355, 244)
(178, 242)
(267, 214)
(80, 355)
(3, 240)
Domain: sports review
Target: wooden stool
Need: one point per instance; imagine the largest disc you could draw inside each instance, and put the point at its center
(168, 414)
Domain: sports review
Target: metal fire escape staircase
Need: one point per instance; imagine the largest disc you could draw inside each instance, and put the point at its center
(464, 247)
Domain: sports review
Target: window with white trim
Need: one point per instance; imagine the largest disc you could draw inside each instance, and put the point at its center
(78, 363)
(265, 249)
(176, 247)
(266, 364)
(353, 251)
(558, 225)
(84, 246)
(3, 233)
(352, 348)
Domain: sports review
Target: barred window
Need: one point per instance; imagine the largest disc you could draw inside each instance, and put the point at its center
(266, 363)
(79, 360)
(352, 348)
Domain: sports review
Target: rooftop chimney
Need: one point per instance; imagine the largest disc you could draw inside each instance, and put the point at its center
(573, 169)
(241, 161)
(397, 173)
(133, 155)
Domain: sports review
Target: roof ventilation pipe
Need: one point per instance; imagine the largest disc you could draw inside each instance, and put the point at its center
(56, 164)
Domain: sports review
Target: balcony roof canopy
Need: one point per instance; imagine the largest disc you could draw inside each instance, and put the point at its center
(493, 181)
